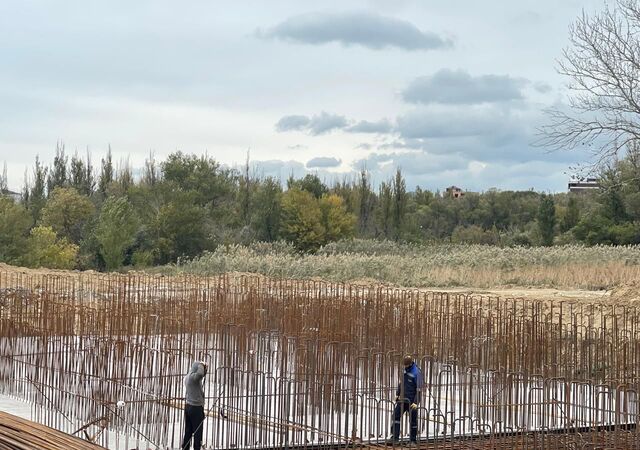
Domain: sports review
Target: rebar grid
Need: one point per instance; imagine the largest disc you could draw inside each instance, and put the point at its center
(305, 363)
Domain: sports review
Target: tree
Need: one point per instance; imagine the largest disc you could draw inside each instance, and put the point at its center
(310, 183)
(58, 174)
(178, 229)
(399, 203)
(45, 249)
(66, 212)
(244, 194)
(151, 172)
(385, 209)
(301, 221)
(266, 210)
(210, 184)
(37, 197)
(15, 222)
(546, 219)
(602, 64)
(77, 174)
(106, 174)
(116, 230)
(571, 215)
(365, 199)
(337, 222)
(4, 183)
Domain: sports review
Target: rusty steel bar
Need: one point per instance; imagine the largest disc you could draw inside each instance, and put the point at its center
(306, 363)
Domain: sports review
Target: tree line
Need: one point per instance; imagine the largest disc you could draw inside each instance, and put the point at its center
(75, 215)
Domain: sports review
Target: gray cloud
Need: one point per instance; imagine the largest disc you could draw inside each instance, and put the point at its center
(318, 124)
(356, 28)
(279, 169)
(325, 122)
(292, 123)
(382, 126)
(459, 87)
(542, 87)
(323, 162)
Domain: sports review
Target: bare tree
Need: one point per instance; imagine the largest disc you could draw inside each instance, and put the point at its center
(603, 65)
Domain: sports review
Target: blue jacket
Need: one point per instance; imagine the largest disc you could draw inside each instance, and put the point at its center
(412, 380)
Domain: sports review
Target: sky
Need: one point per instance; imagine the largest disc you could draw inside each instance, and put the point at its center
(452, 92)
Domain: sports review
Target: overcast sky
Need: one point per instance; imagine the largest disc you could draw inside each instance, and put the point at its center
(451, 91)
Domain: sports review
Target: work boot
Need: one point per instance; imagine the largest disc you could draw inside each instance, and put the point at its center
(413, 444)
(393, 441)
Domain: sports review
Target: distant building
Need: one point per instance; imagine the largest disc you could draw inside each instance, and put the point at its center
(584, 185)
(454, 192)
(15, 196)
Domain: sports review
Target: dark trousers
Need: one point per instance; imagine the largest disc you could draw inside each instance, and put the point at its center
(193, 418)
(401, 408)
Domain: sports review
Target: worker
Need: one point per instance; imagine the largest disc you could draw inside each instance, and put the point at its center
(408, 396)
(194, 407)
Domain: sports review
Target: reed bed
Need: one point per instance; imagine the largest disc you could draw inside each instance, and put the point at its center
(444, 266)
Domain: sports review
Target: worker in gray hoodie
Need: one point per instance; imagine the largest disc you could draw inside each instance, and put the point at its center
(194, 408)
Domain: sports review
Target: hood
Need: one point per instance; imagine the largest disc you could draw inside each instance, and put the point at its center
(195, 366)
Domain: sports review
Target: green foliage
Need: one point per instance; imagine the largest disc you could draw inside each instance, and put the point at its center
(266, 210)
(309, 183)
(15, 222)
(474, 234)
(337, 222)
(58, 174)
(301, 221)
(188, 204)
(37, 195)
(571, 215)
(178, 229)
(106, 174)
(116, 230)
(546, 219)
(66, 212)
(202, 176)
(45, 249)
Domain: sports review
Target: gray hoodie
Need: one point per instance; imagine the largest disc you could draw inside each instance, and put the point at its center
(193, 384)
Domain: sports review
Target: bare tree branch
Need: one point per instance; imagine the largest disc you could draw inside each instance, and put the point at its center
(603, 66)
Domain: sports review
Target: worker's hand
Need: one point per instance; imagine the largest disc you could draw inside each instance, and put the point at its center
(414, 406)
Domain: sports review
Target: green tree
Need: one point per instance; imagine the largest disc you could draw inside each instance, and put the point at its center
(546, 219)
(399, 204)
(45, 249)
(385, 210)
(66, 212)
(267, 210)
(15, 222)
(81, 175)
(310, 183)
(365, 202)
(106, 174)
(37, 196)
(301, 221)
(571, 215)
(211, 185)
(116, 230)
(337, 222)
(58, 176)
(178, 229)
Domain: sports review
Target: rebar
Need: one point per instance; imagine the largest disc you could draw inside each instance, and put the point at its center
(309, 363)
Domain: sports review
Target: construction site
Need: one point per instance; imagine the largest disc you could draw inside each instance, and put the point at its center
(90, 361)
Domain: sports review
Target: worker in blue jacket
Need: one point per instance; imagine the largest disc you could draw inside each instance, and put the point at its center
(408, 396)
